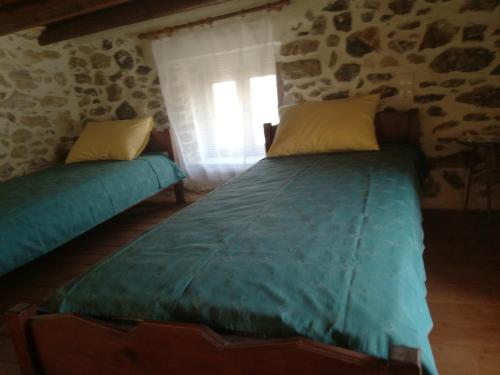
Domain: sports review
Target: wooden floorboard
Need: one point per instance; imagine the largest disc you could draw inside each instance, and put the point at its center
(462, 260)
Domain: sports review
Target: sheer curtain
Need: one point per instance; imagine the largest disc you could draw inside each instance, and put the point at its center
(219, 87)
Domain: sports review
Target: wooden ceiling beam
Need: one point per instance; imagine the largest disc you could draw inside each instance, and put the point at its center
(122, 15)
(4, 3)
(26, 14)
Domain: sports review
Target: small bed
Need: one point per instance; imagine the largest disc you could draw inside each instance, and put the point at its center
(303, 264)
(41, 211)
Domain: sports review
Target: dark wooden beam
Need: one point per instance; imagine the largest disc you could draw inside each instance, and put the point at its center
(4, 3)
(27, 14)
(125, 14)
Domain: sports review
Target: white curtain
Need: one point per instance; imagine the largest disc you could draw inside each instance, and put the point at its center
(219, 87)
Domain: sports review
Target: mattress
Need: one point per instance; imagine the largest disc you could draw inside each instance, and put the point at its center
(328, 247)
(43, 210)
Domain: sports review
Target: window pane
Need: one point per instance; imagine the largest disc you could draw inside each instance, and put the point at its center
(264, 104)
(228, 116)
(241, 107)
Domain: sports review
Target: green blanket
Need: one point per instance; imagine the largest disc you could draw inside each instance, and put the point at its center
(328, 247)
(43, 210)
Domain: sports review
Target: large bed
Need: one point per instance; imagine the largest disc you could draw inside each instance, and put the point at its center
(326, 248)
(41, 211)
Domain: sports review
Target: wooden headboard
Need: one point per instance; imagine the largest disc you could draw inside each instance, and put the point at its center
(390, 125)
(161, 141)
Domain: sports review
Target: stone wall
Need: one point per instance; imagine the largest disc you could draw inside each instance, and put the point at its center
(441, 56)
(113, 81)
(48, 94)
(38, 111)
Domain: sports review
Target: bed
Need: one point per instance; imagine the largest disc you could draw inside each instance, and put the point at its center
(304, 264)
(41, 211)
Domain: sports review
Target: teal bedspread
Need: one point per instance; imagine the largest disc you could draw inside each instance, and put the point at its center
(328, 247)
(41, 211)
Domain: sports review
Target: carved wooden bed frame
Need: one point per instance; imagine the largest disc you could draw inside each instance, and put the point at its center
(54, 344)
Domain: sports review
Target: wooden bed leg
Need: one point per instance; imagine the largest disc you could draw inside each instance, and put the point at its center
(179, 193)
(17, 319)
(404, 361)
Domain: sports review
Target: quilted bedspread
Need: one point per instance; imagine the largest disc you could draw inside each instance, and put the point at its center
(328, 247)
(43, 210)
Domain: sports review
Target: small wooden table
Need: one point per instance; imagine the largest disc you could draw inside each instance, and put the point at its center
(488, 145)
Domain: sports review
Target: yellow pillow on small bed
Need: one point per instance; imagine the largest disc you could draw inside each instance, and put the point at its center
(111, 140)
(328, 126)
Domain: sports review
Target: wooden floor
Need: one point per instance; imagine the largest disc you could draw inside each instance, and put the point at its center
(463, 271)
(462, 260)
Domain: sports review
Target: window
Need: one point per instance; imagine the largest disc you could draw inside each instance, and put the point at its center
(219, 85)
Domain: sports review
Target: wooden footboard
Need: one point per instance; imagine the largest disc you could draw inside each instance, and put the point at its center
(70, 344)
(161, 141)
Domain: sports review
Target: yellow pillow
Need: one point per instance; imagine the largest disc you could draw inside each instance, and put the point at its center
(111, 140)
(328, 126)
